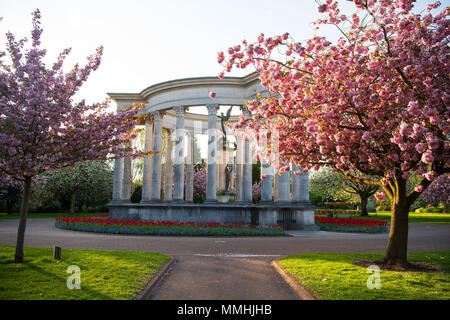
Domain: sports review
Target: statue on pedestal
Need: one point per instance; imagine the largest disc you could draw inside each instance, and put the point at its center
(223, 119)
(228, 171)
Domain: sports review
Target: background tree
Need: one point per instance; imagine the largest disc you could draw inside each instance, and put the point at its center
(376, 100)
(197, 155)
(42, 128)
(87, 183)
(327, 184)
(363, 190)
(333, 186)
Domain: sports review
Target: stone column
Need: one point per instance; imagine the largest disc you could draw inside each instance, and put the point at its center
(117, 182)
(126, 182)
(296, 184)
(239, 161)
(266, 188)
(247, 168)
(304, 187)
(275, 187)
(156, 163)
(284, 186)
(147, 172)
(178, 193)
(218, 166)
(190, 168)
(168, 182)
(211, 185)
(222, 165)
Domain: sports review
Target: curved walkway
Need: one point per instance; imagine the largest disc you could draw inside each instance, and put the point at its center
(224, 267)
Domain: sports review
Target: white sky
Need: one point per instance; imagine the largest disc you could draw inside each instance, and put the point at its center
(147, 42)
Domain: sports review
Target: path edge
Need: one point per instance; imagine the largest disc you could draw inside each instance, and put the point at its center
(300, 291)
(145, 293)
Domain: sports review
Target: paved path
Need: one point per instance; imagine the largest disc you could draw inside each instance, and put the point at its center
(225, 267)
(223, 278)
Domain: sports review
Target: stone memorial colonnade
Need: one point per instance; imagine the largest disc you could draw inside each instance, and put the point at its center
(168, 105)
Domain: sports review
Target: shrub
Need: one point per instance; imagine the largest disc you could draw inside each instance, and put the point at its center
(256, 192)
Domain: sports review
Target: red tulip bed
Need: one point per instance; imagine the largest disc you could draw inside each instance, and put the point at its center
(337, 211)
(101, 224)
(351, 225)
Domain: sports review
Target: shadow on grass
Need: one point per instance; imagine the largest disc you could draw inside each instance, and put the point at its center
(93, 293)
(438, 261)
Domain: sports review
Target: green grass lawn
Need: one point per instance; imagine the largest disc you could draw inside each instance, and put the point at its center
(413, 217)
(104, 274)
(334, 277)
(5, 216)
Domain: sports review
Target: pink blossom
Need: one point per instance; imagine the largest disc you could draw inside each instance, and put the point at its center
(421, 147)
(427, 157)
(322, 8)
(429, 175)
(379, 196)
(366, 136)
(212, 94)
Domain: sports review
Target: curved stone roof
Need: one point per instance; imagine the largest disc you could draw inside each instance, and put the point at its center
(192, 92)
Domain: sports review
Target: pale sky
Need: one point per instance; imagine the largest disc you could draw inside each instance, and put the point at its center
(147, 42)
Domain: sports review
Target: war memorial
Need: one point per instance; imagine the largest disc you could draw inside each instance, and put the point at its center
(284, 197)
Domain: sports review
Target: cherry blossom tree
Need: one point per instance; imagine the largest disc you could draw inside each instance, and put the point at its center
(438, 192)
(200, 185)
(42, 128)
(376, 100)
(10, 191)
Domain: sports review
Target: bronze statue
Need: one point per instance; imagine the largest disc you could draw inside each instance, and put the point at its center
(228, 171)
(224, 119)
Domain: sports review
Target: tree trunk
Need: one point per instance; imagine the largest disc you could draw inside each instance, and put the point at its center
(364, 201)
(72, 203)
(397, 249)
(23, 220)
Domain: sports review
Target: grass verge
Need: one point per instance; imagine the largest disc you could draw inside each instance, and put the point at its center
(5, 216)
(332, 276)
(413, 217)
(105, 275)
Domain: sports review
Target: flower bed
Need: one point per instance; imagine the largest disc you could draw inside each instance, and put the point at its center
(351, 225)
(104, 225)
(337, 211)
